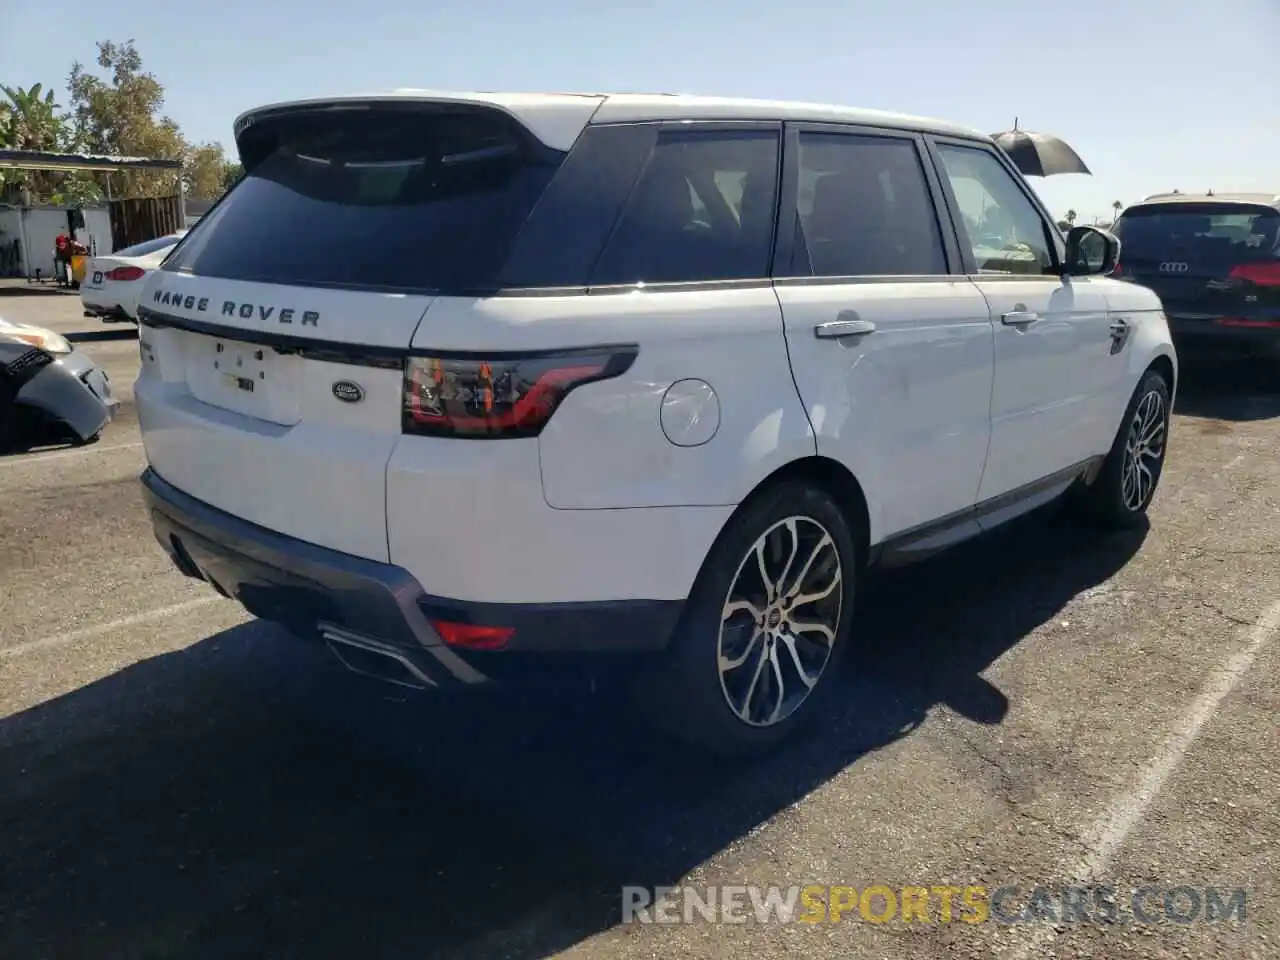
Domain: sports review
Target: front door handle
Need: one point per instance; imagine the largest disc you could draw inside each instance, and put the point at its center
(1019, 318)
(846, 324)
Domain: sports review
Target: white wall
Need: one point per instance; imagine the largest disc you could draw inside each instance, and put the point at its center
(96, 234)
(43, 224)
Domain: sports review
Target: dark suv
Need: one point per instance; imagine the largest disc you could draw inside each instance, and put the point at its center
(1214, 260)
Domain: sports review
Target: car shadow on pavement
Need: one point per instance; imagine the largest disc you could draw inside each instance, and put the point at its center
(1233, 389)
(247, 796)
(20, 288)
(119, 331)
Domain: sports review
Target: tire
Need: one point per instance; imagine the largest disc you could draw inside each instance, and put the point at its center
(717, 689)
(1113, 500)
(8, 419)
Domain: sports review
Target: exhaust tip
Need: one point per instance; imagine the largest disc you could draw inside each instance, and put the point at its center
(371, 657)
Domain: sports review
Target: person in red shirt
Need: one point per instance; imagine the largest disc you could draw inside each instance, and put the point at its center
(62, 257)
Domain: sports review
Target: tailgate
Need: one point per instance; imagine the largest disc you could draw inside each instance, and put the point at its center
(274, 337)
(289, 431)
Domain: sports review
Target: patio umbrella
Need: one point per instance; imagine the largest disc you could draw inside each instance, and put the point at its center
(1039, 154)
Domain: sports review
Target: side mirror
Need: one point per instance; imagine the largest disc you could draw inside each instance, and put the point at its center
(1090, 251)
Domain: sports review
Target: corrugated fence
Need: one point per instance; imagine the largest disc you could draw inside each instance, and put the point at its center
(144, 218)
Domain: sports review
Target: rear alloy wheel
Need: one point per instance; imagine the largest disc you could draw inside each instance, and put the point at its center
(764, 628)
(1125, 486)
(779, 621)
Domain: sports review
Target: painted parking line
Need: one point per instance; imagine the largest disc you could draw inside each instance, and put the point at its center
(1106, 835)
(88, 633)
(63, 454)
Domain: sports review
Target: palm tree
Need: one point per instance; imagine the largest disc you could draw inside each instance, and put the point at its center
(1070, 217)
(1117, 206)
(29, 120)
(32, 120)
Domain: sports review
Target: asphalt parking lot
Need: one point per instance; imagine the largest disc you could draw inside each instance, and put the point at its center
(1046, 707)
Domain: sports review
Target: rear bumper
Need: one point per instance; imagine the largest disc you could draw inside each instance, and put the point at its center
(365, 608)
(1208, 334)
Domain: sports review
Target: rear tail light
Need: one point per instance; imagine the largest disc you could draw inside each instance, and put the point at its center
(1262, 274)
(500, 395)
(122, 274)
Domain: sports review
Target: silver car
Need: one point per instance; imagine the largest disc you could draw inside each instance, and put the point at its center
(49, 390)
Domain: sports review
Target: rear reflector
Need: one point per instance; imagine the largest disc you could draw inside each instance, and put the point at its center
(472, 636)
(1263, 274)
(1242, 322)
(122, 274)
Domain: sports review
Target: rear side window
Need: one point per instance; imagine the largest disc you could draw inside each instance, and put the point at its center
(381, 199)
(146, 247)
(702, 209)
(864, 209)
(1204, 233)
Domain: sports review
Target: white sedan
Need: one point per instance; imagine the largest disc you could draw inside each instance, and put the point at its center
(112, 284)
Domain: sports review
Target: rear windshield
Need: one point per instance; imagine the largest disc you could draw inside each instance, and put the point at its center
(382, 199)
(1199, 233)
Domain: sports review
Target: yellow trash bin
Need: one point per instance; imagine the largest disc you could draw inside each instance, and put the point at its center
(79, 263)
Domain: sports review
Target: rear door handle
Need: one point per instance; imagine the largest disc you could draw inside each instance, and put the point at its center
(1019, 318)
(846, 324)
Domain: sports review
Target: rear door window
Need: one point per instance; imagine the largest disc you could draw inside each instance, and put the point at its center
(382, 199)
(864, 209)
(702, 210)
(1198, 238)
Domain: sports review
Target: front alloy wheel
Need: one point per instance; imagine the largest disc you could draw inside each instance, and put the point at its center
(1127, 482)
(779, 621)
(1143, 450)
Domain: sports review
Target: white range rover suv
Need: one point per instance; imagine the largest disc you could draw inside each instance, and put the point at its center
(465, 384)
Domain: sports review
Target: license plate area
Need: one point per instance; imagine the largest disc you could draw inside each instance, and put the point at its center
(247, 378)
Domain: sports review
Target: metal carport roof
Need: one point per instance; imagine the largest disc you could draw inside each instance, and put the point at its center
(70, 162)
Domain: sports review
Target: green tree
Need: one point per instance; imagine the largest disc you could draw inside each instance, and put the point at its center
(121, 115)
(1070, 217)
(231, 172)
(119, 112)
(205, 171)
(30, 120)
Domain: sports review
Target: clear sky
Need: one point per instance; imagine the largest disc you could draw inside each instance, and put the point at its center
(1154, 94)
